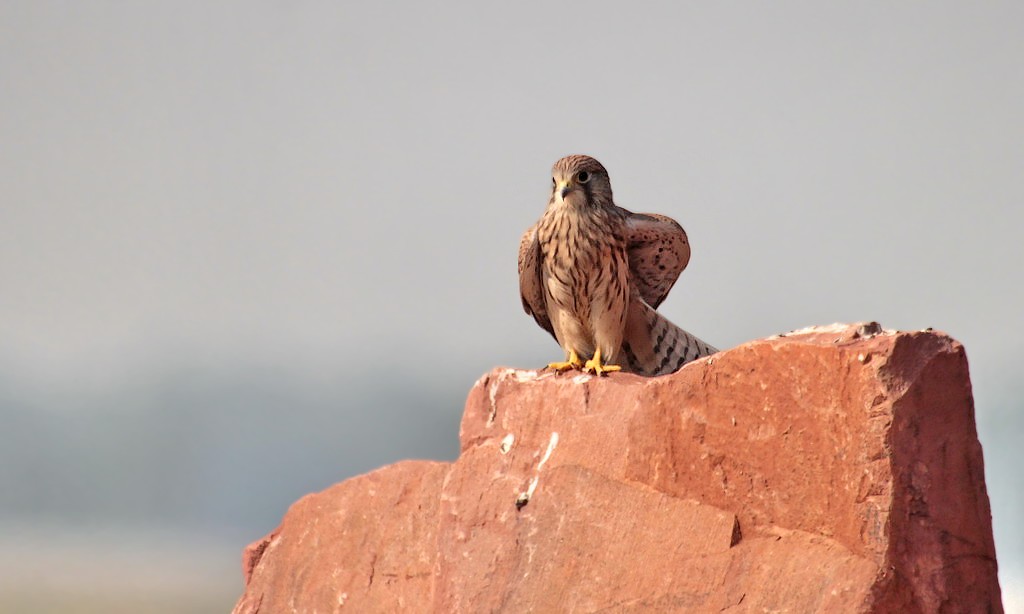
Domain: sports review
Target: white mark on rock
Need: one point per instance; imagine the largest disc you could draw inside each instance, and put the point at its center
(506, 443)
(532, 487)
(582, 378)
(492, 394)
(531, 549)
(524, 497)
(527, 376)
(547, 453)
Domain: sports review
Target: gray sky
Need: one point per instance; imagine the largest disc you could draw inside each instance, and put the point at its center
(325, 188)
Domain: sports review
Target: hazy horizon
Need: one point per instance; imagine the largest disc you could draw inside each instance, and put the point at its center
(251, 249)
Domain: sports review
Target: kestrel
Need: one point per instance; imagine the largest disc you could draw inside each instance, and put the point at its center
(592, 273)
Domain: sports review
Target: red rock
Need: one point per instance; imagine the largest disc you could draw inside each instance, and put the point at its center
(367, 544)
(832, 469)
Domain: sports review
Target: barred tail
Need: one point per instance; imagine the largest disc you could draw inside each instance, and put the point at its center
(654, 346)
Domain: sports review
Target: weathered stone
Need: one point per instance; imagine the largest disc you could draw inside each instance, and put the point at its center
(366, 545)
(831, 469)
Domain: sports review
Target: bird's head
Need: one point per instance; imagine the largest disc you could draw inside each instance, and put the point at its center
(580, 181)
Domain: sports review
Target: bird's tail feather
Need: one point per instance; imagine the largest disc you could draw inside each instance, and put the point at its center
(654, 346)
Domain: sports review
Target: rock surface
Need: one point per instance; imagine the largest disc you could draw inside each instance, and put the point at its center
(834, 469)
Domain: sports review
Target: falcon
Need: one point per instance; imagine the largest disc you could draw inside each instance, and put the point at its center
(592, 274)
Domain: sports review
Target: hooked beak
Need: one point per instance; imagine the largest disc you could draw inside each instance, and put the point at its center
(563, 188)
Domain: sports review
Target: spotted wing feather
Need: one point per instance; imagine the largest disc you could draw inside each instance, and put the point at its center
(658, 252)
(530, 284)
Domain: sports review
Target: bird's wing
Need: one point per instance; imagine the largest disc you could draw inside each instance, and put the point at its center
(658, 252)
(530, 279)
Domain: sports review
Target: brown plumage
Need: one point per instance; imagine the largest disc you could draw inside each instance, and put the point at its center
(592, 273)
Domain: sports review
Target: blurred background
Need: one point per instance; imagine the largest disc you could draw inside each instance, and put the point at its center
(250, 249)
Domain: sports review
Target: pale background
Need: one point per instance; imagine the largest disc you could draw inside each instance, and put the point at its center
(250, 249)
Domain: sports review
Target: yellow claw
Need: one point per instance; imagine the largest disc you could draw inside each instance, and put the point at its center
(573, 362)
(594, 365)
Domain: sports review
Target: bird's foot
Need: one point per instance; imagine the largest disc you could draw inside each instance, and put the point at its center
(597, 368)
(573, 362)
(594, 365)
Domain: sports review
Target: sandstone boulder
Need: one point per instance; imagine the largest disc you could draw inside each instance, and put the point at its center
(834, 469)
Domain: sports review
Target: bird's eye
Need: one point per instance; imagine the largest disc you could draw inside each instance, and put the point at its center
(583, 176)
(553, 182)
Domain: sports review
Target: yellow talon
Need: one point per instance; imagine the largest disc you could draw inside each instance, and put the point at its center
(594, 365)
(573, 362)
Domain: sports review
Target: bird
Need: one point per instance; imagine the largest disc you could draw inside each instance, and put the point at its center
(592, 274)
